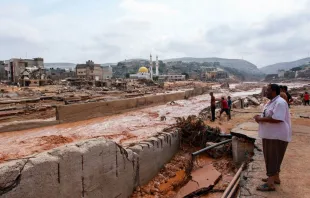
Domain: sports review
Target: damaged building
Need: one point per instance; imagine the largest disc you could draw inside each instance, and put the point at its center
(16, 66)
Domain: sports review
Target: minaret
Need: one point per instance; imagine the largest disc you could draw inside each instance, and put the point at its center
(151, 66)
(157, 65)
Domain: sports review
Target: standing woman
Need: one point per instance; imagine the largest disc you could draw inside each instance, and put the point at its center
(276, 132)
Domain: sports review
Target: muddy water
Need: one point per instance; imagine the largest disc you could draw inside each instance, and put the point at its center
(124, 128)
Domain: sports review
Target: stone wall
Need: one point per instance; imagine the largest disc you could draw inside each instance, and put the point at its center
(78, 112)
(92, 168)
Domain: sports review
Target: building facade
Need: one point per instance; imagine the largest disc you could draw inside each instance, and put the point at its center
(59, 74)
(89, 71)
(15, 67)
(3, 73)
(107, 72)
(171, 77)
(281, 73)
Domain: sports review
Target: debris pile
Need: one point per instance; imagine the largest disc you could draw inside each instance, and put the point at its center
(195, 132)
(248, 86)
(169, 180)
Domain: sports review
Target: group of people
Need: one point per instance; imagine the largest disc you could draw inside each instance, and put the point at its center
(274, 129)
(225, 107)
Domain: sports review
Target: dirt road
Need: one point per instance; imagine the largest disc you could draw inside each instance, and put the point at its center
(295, 173)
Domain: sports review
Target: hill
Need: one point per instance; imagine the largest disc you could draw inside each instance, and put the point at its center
(238, 64)
(273, 69)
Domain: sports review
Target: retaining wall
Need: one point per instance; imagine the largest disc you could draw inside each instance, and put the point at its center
(92, 168)
(78, 112)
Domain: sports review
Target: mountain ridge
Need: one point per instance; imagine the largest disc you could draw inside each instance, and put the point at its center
(273, 69)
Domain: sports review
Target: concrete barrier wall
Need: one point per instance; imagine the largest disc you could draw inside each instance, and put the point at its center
(77, 112)
(154, 153)
(26, 125)
(92, 168)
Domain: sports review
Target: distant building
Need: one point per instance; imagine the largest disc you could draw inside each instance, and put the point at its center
(3, 73)
(271, 77)
(171, 77)
(89, 71)
(290, 74)
(59, 74)
(107, 72)
(281, 73)
(16, 66)
(215, 73)
(143, 73)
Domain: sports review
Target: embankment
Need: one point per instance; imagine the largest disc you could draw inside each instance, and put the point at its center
(92, 168)
(78, 112)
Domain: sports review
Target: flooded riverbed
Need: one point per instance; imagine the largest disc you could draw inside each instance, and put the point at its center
(124, 128)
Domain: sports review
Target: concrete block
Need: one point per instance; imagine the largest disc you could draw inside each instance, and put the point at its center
(153, 157)
(70, 165)
(10, 173)
(39, 177)
(76, 112)
(141, 101)
(132, 103)
(118, 105)
(241, 150)
(108, 169)
(174, 96)
(154, 99)
(188, 94)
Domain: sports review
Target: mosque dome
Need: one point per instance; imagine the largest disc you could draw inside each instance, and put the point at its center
(143, 70)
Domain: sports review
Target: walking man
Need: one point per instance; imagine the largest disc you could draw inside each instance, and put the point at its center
(229, 105)
(306, 99)
(275, 131)
(212, 107)
(289, 97)
(224, 107)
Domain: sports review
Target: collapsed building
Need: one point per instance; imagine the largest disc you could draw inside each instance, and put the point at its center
(16, 68)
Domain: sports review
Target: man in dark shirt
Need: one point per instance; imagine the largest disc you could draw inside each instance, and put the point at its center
(229, 105)
(212, 107)
(289, 97)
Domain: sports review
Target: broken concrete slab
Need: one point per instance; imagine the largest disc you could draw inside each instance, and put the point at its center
(253, 100)
(203, 179)
(246, 130)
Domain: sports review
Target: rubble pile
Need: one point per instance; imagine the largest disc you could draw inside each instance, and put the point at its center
(248, 86)
(195, 132)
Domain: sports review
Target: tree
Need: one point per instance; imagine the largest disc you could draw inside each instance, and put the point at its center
(127, 75)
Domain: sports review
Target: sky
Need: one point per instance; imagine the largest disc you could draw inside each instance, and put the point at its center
(262, 31)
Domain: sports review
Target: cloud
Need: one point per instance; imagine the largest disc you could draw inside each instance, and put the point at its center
(147, 8)
(262, 32)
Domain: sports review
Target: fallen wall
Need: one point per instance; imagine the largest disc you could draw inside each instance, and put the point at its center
(78, 112)
(92, 168)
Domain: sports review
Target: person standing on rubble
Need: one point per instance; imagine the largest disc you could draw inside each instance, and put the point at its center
(276, 132)
(306, 99)
(212, 107)
(224, 108)
(229, 105)
(289, 97)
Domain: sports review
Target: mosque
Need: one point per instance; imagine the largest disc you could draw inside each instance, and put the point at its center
(145, 73)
